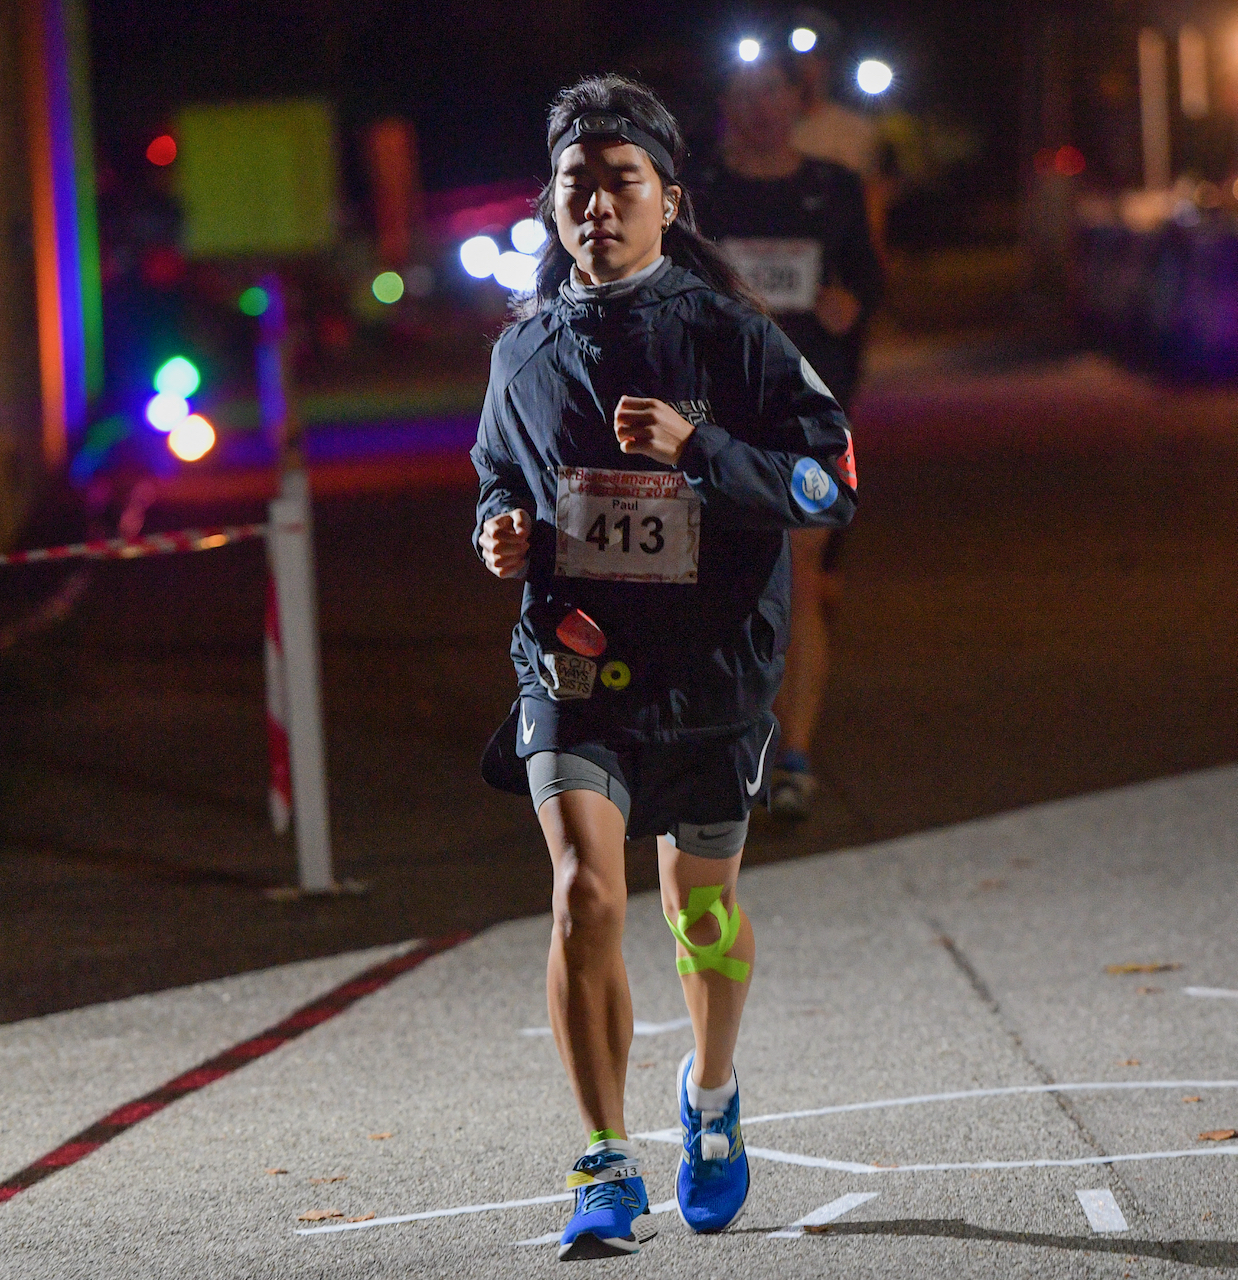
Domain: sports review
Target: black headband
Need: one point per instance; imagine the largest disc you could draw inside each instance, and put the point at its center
(605, 124)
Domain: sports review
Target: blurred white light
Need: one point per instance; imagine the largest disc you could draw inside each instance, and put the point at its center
(165, 410)
(803, 39)
(873, 76)
(479, 256)
(193, 439)
(749, 50)
(516, 271)
(528, 235)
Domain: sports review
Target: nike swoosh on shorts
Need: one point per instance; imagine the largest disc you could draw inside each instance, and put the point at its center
(526, 729)
(755, 785)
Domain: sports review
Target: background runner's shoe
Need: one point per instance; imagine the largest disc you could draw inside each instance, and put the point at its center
(792, 793)
(712, 1183)
(610, 1194)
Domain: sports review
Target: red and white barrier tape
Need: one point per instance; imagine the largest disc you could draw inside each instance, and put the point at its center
(150, 544)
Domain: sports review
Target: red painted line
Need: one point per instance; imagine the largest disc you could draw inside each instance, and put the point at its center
(318, 1011)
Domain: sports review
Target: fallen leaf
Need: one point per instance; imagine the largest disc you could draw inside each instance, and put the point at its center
(1130, 1062)
(379, 1137)
(1218, 1135)
(365, 1217)
(277, 1171)
(1155, 967)
(1196, 1098)
(339, 1177)
(317, 1215)
(1149, 991)
(1206, 1216)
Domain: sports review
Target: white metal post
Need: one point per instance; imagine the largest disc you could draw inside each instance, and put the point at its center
(292, 561)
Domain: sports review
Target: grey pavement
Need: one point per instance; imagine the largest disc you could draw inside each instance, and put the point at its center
(959, 961)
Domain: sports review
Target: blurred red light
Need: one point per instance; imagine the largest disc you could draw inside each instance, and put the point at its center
(1069, 162)
(163, 150)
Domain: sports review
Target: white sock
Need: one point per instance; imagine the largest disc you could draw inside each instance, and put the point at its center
(711, 1099)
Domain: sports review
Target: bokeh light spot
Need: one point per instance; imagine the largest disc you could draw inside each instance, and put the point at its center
(873, 77)
(749, 50)
(1069, 162)
(166, 410)
(803, 39)
(193, 439)
(162, 151)
(178, 377)
(528, 235)
(388, 287)
(479, 256)
(516, 271)
(254, 301)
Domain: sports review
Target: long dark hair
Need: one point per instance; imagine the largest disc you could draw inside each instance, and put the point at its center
(681, 242)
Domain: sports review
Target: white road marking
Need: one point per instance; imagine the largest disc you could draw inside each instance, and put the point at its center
(639, 1028)
(917, 1100)
(435, 1213)
(1211, 993)
(1102, 1211)
(827, 1213)
(553, 1237)
(847, 1166)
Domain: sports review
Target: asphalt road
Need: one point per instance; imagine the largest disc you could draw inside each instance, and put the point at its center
(1039, 605)
(935, 1012)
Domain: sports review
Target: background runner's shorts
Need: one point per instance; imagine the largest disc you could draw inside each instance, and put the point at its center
(667, 788)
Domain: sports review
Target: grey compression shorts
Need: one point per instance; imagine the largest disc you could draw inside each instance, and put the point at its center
(551, 773)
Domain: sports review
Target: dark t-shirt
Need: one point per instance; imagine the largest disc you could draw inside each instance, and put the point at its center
(781, 232)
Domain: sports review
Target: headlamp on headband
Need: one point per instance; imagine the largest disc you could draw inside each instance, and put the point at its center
(595, 125)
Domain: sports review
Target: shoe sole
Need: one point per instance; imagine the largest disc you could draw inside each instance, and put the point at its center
(684, 1066)
(587, 1248)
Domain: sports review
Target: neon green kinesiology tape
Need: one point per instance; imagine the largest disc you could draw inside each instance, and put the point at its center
(714, 956)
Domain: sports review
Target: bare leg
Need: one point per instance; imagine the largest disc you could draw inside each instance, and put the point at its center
(586, 982)
(814, 598)
(714, 1002)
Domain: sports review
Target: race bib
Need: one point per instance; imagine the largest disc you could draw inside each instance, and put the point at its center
(785, 274)
(627, 526)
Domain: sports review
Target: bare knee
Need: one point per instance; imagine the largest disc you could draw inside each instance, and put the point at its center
(587, 911)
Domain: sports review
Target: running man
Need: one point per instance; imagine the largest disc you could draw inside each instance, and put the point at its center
(796, 231)
(648, 437)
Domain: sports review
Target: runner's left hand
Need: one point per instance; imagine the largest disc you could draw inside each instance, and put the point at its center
(651, 428)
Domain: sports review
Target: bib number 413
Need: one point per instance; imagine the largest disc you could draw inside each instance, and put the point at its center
(622, 530)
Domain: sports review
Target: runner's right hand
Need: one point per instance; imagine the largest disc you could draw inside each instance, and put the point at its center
(505, 543)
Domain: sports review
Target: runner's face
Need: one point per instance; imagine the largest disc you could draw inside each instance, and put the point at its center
(609, 208)
(761, 108)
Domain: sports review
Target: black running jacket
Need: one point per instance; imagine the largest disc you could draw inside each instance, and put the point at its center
(771, 452)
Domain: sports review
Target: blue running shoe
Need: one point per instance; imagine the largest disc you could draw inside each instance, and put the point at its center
(610, 1194)
(712, 1183)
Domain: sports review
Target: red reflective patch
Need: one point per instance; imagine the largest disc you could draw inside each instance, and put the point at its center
(846, 464)
(257, 1047)
(581, 634)
(196, 1079)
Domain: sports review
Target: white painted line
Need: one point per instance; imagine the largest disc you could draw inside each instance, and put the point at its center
(639, 1028)
(435, 1213)
(1211, 993)
(827, 1213)
(809, 1162)
(1102, 1211)
(917, 1100)
(553, 1237)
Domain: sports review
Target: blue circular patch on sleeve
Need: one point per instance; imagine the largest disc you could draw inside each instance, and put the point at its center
(813, 486)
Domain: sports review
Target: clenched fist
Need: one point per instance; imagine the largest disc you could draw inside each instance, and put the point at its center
(504, 543)
(652, 428)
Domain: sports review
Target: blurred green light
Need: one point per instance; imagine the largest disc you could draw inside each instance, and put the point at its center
(254, 301)
(388, 287)
(178, 377)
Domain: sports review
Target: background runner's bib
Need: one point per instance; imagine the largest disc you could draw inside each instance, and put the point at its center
(784, 273)
(627, 526)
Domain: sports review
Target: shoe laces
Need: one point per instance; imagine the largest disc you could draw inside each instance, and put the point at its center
(604, 1195)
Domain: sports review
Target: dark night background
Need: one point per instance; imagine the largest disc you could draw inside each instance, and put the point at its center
(476, 77)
